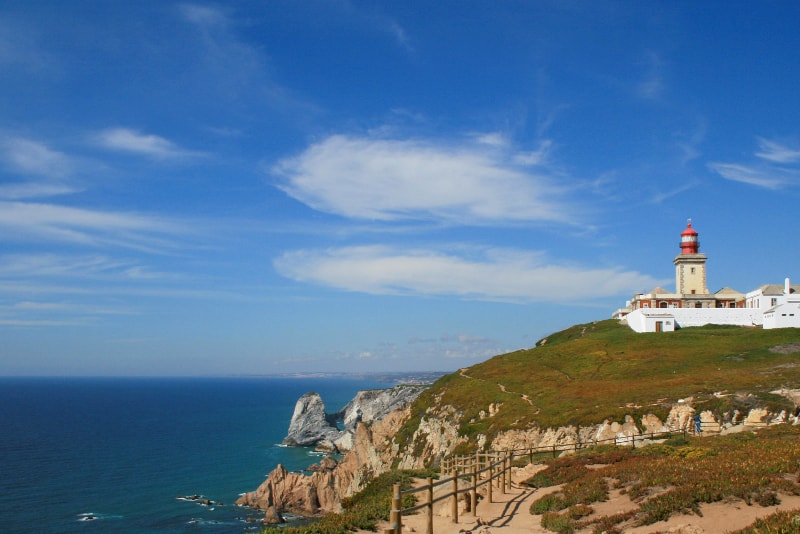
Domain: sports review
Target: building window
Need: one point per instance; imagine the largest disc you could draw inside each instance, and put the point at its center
(698, 304)
(662, 305)
(692, 270)
(774, 301)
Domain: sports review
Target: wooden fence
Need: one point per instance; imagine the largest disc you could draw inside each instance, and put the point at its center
(481, 469)
(490, 469)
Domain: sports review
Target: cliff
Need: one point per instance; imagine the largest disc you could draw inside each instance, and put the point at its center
(375, 450)
(589, 383)
(312, 426)
(330, 481)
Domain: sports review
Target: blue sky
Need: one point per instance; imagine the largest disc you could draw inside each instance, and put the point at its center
(269, 187)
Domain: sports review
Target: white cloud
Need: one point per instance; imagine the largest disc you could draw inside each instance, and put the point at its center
(776, 152)
(652, 84)
(400, 36)
(154, 146)
(775, 170)
(203, 16)
(416, 179)
(35, 158)
(34, 190)
(49, 222)
(748, 175)
(47, 264)
(493, 274)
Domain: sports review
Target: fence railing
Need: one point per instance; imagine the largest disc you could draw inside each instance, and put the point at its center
(481, 469)
(490, 469)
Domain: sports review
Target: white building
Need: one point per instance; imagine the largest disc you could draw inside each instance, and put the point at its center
(769, 306)
(785, 312)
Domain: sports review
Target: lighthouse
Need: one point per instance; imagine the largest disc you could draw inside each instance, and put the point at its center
(690, 265)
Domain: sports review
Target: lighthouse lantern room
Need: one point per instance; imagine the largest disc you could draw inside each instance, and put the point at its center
(689, 242)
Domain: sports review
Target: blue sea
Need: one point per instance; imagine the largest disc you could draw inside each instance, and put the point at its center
(90, 455)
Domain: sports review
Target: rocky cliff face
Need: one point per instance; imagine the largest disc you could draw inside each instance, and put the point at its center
(323, 490)
(374, 451)
(312, 426)
(374, 404)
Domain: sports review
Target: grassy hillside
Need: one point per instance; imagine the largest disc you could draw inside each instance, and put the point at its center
(600, 370)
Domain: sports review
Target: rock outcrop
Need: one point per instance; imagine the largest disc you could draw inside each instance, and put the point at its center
(374, 404)
(310, 423)
(330, 481)
(311, 426)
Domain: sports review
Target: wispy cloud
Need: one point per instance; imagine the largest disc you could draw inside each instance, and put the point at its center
(652, 84)
(49, 222)
(380, 179)
(30, 314)
(58, 265)
(19, 46)
(27, 190)
(777, 152)
(153, 146)
(491, 274)
(776, 167)
(30, 157)
(204, 16)
(753, 175)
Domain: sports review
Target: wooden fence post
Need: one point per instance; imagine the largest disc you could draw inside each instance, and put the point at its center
(396, 515)
(489, 483)
(474, 495)
(455, 496)
(503, 475)
(429, 529)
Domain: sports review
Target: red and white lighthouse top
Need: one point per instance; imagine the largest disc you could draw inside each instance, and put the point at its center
(689, 242)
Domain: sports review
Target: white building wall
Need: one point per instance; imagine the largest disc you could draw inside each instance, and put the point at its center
(644, 320)
(783, 316)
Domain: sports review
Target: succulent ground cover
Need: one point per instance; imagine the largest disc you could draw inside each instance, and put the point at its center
(671, 478)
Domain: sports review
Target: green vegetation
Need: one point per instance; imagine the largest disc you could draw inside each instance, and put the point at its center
(590, 372)
(777, 523)
(667, 479)
(362, 511)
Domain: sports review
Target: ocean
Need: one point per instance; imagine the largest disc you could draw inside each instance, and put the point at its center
(89, 455)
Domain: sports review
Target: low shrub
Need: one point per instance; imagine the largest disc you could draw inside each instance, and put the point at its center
(777, 523)
(555, 522)
(552, 502)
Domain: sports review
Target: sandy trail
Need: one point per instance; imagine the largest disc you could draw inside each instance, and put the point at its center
(509, 513)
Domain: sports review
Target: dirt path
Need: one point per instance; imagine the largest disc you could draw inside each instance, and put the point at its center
(463, 373)
(509, 513)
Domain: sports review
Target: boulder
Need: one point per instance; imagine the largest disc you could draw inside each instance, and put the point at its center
(310, 424)
(273, 516)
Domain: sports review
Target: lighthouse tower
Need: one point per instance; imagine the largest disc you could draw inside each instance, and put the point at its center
(690, 265)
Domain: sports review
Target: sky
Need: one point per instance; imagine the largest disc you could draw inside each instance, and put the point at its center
(261, 187)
